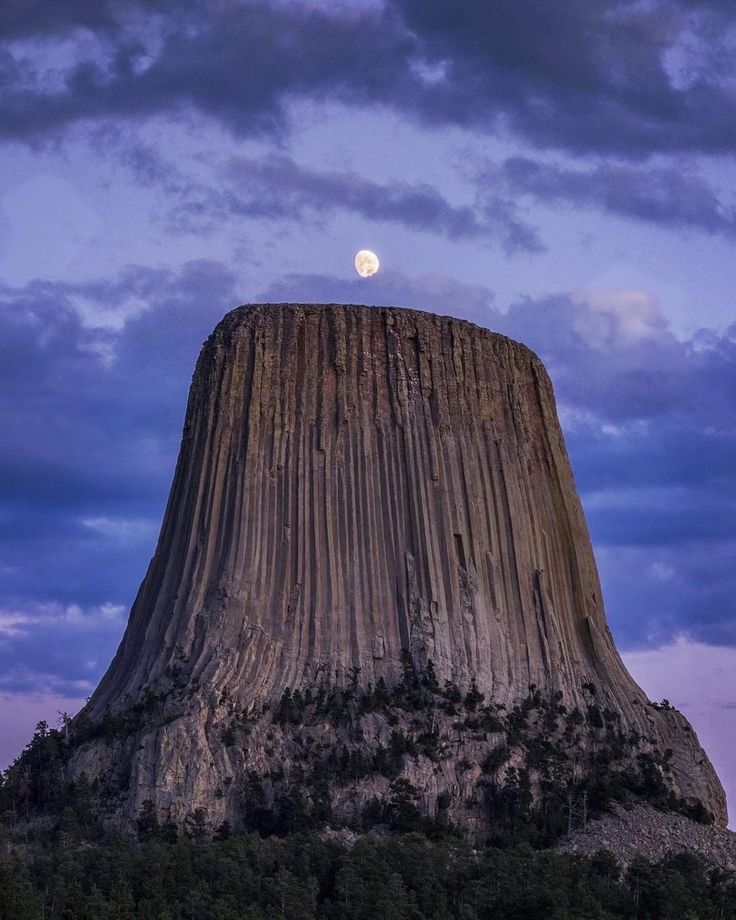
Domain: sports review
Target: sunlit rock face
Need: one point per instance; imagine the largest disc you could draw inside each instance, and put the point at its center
(354, 482)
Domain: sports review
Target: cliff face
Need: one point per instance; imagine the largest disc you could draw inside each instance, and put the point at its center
(354, 482)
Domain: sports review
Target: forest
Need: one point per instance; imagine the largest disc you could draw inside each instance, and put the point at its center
(311, 877)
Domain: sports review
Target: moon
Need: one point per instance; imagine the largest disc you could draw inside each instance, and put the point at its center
(366, 263)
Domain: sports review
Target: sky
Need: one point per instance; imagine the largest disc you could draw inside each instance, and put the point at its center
(562, 173)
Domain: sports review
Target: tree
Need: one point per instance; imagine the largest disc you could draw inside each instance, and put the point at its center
(403, 813)
(122, 905)
(296, 899)
(429, 678)
(147, 823)
(195, 825)
(473, 698)
(18, 900)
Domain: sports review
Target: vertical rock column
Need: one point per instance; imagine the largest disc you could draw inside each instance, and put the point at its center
(355, 481)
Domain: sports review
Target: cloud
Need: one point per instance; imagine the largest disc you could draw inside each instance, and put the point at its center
(614, 354)
(622, 316)
(90, 436)
(57, 649)
(608, 76)
(603, 318)
(235, 63)
(695, 601)
(669, 196)
(578, 75)
(276, 187)
(20, 18)
(91, 414)
(123, 530)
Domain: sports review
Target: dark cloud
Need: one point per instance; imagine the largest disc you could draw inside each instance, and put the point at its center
(21, 18)
(656, 593)
(669, 196)
(671, 517)
(583, 75)
(92, 431)
(278, 188)
(235, 63)
(91, 422)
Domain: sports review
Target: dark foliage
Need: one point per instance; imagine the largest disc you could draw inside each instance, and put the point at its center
(304, 877)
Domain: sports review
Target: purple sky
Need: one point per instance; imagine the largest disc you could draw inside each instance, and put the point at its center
(563, 173)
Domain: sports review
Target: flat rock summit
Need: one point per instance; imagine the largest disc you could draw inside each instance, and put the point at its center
(373, 533)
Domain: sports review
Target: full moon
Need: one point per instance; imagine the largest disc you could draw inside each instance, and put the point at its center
(366, 263)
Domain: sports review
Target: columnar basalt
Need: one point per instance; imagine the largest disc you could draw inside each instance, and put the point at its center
(356, 485)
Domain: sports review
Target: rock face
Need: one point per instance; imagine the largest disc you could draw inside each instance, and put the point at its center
(354, 482)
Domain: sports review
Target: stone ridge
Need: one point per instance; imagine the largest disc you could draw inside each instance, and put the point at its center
(357, 482)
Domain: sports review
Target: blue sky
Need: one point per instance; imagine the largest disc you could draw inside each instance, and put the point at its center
(563, 173)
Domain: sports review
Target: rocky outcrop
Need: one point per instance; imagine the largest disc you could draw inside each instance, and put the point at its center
(643, 831)
(356, 483)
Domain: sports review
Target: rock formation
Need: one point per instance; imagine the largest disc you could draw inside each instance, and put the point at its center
(358, 488)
